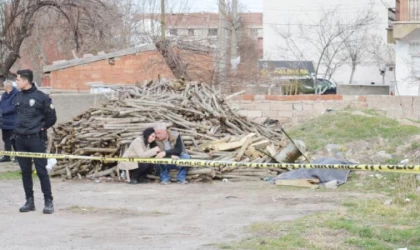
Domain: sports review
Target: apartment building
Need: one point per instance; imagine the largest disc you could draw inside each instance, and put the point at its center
(404, 32)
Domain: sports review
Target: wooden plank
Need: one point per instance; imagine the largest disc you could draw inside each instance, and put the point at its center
(310, 183)
(231, 145)
(261, 145)
(243, 148)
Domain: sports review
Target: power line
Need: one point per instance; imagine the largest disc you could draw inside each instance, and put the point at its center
(386, 5)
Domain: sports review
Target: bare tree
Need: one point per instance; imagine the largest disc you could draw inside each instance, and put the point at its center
(356, 50)
(382, 52)
(325, 39)
(138, 22)
(19, 17)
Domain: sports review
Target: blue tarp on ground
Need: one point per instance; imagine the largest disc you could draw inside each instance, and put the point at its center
(324, 175)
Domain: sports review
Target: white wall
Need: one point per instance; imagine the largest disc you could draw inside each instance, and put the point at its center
(282, 15)
(407, 84)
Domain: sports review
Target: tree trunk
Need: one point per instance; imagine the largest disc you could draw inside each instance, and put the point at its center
(353, 70)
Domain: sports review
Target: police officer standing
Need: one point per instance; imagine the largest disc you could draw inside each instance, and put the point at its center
(36, 114)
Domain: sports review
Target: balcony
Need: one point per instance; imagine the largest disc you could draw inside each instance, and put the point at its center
(392, 16)
(403, 19)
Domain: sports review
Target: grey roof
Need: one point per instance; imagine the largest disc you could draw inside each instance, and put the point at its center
(80, 61)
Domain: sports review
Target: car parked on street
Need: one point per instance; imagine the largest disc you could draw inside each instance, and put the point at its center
(324, 86)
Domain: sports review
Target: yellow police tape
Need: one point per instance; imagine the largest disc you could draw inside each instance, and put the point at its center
(206, 163)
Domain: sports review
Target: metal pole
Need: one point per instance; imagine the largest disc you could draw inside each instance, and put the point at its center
(234, 39)
(163, 20)
(221, 33)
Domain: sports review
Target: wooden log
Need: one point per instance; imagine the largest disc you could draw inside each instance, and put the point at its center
(95, 150)
(243, 148)
(202, 171)
(102, 173)
(209, 127)
(231, 145)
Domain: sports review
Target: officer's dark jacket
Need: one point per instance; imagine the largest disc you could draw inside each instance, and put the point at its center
(35, 112)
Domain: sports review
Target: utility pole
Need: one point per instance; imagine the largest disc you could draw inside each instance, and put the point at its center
(234, 35)
(162, 20)
(222, 42)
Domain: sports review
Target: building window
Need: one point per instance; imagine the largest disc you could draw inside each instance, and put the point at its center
(191, 32)
(414, 9)
(173, 32)
(416, 66)
(254, 32)
(212, 32)
(414, 48)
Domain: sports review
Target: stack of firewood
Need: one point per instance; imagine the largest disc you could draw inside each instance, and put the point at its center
(211, 130)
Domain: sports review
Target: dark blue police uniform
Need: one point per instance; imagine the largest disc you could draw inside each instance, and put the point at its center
(35, 114)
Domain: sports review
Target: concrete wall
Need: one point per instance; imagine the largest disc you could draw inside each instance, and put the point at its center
(302, 107)
(362, 89)
(68, 106)
(283, 108)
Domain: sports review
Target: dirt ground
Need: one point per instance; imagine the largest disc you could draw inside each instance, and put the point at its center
(103, 215)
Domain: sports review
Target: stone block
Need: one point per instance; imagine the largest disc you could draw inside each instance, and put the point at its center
(374, 98)
(319, 107)
(376, 104)
(281, 106)
(308, 107)
(298, 107)
(350, 97)
(262, 106)
(259, 98)
(270, 113)
(394, 112)
(252, 113)
(285, 114)
(247, 106)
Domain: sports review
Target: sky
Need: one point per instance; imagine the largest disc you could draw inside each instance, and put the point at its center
(211, 5)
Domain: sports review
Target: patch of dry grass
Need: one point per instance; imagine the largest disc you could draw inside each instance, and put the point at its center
(358, 224)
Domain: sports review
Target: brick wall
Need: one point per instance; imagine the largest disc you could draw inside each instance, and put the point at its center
(126, 70)
(300, 107)
(199, 67)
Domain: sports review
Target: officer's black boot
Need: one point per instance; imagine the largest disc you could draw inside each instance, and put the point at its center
(29, 205)
(5, 159)
(49, 207)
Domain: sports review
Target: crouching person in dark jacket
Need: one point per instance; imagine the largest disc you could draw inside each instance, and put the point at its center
(171, 146)
(9, 116)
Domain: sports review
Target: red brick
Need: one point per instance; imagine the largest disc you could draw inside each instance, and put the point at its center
(303, 97)
(247, 97)
(274, 98)
(362, 98)
(332, 97)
